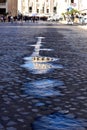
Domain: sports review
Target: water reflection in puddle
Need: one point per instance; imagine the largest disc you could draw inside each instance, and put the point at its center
(40, 59)
(42, 88)
(58, 122)
(37, 64)
(40, 65)
(37, 46)
(42, 49)
(46, 49)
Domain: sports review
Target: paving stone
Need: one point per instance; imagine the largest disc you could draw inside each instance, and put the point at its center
(1, 126)
(67, 44)
(5, 118)
(10, 123)
(11, 128)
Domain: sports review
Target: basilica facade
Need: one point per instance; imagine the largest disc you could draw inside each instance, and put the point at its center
(9, 6)
(44, 7)
(40, 7)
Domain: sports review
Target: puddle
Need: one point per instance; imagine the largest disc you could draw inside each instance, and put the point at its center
(37, 64)
(40, 68)
(40, 65)
(46, 49)
(40, 59)
(37, 46)
(40, 39)
(58, 122)
(42, 88)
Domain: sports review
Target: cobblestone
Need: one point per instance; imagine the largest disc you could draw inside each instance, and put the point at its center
(68, 44)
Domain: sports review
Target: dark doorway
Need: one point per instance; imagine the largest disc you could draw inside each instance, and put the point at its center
(72, 1)
(2, 1)
(2, 11)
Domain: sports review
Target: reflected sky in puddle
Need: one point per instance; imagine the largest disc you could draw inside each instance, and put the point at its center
(37, 46)
(42, 88)
(46, 49)
(58, 121)
(37, 64)
(40, 65)
(43, 49)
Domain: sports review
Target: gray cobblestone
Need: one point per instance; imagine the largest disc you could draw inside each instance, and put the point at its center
(68, 44)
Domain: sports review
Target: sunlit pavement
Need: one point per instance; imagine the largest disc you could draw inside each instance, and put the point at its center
(43, 76)
(82, 26)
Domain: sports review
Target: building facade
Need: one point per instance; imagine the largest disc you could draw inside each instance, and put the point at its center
(3, 5)
(9, 6)
(12, 7)
(40, 7)
(46, 7)
(83, 6)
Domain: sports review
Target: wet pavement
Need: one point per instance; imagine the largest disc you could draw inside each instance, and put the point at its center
(43, 77)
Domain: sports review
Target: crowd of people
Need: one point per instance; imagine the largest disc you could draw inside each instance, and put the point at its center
(76, 18)
(70, 19)
(10, 18)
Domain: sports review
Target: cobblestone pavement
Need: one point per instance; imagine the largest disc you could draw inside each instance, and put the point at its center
(40, 92)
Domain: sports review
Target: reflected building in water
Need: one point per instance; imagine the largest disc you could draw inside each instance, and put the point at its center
(42, 59)
(40, 65)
